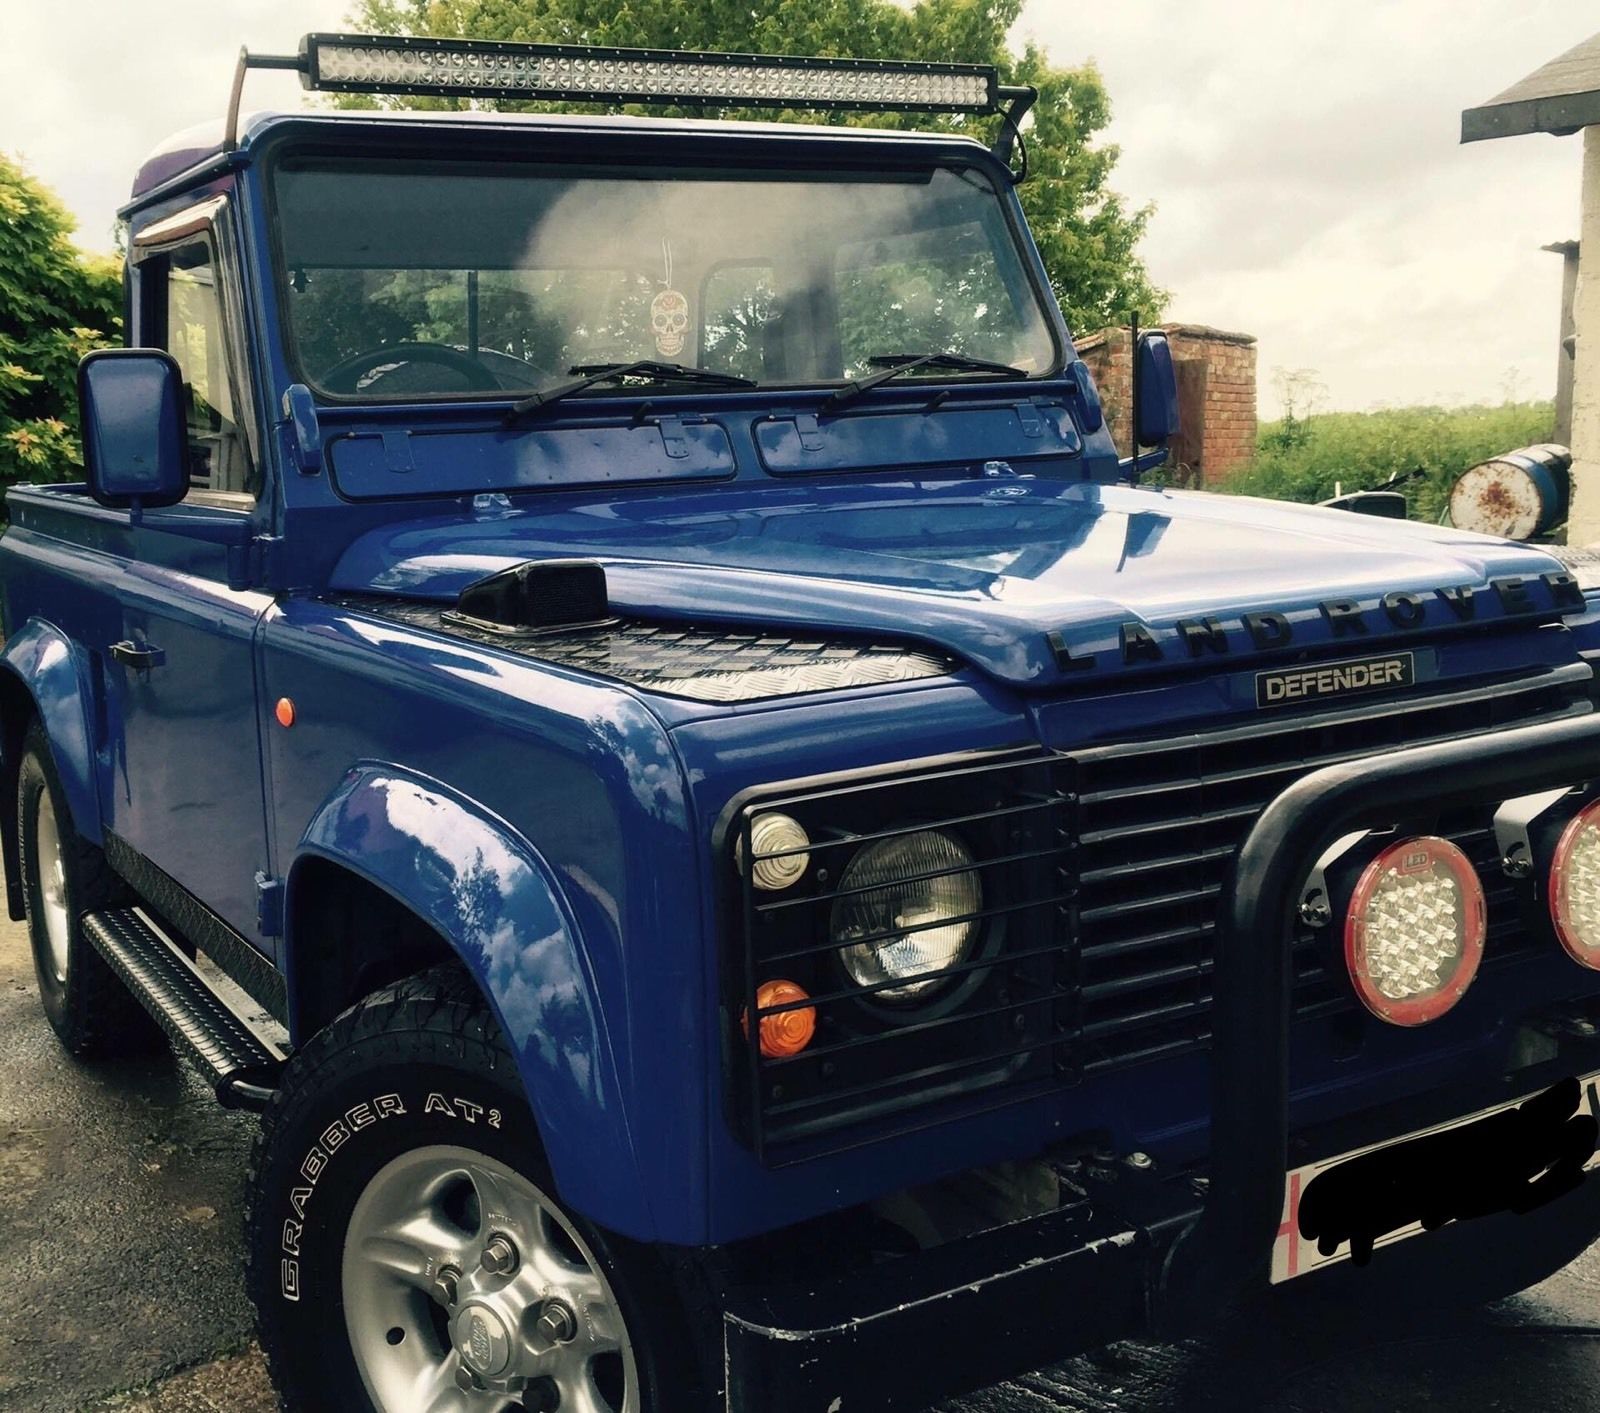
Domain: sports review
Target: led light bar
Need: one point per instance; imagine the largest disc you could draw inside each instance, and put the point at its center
(459, 68)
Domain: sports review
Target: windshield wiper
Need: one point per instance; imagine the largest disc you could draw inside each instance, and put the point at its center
(894, 364)
(593, 374)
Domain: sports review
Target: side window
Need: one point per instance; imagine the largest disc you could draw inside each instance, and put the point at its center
(195, 335)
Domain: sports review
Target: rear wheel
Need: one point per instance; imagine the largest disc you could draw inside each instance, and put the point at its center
(64, 877)
(407, 1250)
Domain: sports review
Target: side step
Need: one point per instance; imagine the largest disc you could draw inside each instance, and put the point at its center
(237, 1061)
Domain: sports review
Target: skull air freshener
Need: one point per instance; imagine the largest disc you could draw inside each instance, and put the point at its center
(669, 322)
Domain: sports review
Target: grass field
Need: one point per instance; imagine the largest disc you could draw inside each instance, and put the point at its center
(1303, 459)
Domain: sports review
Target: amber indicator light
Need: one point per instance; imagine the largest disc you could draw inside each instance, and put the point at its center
(284, 711)
(788, 1032)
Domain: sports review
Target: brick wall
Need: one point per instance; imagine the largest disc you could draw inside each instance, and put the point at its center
(1216, 371)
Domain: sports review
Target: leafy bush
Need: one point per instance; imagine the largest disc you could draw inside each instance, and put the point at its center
(1305, 457)
(55, 305)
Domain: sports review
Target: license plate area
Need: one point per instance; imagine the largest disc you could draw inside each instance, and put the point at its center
(1509, 1157)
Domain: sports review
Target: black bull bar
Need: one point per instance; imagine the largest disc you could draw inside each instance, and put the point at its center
(1225, 1256)
(999, 1303)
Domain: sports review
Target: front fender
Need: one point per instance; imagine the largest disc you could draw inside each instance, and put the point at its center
(484, 888)
(55, 674)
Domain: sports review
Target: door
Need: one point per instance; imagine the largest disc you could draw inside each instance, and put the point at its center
(184, 784)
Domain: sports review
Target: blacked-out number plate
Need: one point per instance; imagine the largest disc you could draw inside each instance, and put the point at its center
(1511, 1158)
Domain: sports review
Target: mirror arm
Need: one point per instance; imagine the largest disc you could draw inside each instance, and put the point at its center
(1134, 466)
(1130, 464)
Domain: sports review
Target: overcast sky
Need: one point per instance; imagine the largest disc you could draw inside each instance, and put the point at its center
(1303, 158)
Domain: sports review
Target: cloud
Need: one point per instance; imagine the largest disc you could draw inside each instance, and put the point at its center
(1303, 157)
(93, 85)
(1311, 188)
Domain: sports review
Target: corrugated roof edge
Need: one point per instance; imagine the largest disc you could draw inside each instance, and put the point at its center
(1559, 97)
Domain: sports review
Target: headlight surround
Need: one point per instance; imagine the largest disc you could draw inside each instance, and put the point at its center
(907, 886)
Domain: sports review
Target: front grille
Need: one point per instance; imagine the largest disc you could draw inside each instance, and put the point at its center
(1158, 824)
(1102, 872)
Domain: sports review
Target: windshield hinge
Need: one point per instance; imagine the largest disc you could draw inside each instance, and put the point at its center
(673, 436)
(397, 452)
(670, 425)
(805, 423)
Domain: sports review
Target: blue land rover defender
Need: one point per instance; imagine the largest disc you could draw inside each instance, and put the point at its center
(775, 872)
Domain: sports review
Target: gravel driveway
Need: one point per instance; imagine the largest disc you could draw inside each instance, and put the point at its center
(119, 1238)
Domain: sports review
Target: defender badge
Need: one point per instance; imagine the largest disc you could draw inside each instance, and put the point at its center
(1334, 679)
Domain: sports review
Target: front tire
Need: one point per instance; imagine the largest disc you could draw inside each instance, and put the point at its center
(63, 877)
(406, 1250)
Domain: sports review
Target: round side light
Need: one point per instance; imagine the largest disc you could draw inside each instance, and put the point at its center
(1575, 886)
(1413, 934)
(777, 844)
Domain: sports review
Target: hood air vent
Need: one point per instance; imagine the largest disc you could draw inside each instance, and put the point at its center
(540, 596)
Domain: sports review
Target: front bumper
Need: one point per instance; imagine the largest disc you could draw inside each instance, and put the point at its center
(1137, 1253)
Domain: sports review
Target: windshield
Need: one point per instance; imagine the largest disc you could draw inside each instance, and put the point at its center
(405, 279)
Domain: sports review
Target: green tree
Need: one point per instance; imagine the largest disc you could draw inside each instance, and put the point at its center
(55, 305)
(1087, 234)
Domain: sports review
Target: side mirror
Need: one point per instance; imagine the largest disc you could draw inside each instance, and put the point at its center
(135, 436)
(1155, 412)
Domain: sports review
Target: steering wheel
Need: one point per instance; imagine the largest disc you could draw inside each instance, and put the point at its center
(345, 376)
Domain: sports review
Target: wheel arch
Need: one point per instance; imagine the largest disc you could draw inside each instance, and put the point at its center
(43, 675)
(468, 886)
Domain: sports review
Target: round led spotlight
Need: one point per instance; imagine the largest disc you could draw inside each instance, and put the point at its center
(1575, 886)
(777, 844)
(1413, 935)
(906, 908)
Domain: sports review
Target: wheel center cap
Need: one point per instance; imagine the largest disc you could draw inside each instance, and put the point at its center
(483, 1341)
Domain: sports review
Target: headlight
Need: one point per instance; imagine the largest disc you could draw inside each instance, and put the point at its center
(897, 928)
(1414, 933)
(1575, 886)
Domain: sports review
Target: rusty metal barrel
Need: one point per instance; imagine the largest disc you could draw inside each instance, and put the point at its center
(1519, 496)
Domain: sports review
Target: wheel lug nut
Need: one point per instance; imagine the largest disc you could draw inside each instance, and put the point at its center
(499, 1256)
(447, 1284)
(557, 1323)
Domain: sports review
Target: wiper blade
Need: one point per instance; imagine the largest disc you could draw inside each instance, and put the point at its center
(894, 364)
(593, 374)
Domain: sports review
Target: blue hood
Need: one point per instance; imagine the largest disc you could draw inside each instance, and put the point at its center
(1031, 581)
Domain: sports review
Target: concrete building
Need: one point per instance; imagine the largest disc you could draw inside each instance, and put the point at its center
(1566, 337)
(1216, 396)
(1563, 98)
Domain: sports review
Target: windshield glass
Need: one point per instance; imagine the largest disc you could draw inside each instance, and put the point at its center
(405, 279)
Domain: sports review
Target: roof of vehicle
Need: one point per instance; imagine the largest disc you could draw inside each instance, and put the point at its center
(195, 147)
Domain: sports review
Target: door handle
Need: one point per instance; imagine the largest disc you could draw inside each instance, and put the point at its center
(141, 659)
